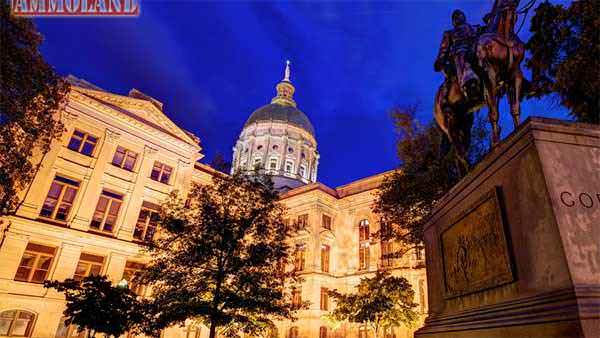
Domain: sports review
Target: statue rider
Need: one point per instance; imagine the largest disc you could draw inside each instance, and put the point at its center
(456, 52)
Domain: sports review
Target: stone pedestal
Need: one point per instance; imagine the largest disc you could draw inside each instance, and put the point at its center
(513, 250)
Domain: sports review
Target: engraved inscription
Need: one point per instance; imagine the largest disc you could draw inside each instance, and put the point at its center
(475, 251)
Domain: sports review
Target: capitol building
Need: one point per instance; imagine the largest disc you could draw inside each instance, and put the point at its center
(91, 206)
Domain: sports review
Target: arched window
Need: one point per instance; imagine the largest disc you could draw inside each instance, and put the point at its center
(322, 332)
(193, 331)
(363, 245)
(16, 323)
(69, 331)
(363, 230)
(293, 332)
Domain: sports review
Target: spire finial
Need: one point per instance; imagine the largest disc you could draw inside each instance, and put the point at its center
(287, 71)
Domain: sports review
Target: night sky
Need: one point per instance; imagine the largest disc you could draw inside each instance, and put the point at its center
(213, 63)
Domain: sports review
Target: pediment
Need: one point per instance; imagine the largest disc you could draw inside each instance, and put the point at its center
(145, 110)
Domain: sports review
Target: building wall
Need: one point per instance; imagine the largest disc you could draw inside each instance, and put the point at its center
(347, 206)
(137, 123)
(133, 123)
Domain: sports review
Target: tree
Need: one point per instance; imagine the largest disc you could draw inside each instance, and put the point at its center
(98, 306)
(565, 56)
(219, 258)
(219, 163)
(429, 169)
(381, 303)
(31, 95)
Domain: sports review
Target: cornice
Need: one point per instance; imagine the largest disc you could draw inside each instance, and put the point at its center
(126, 102)
(81, 98)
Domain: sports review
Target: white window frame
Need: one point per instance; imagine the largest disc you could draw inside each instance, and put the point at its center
(276, 159)
(302, 171)
(291, 163)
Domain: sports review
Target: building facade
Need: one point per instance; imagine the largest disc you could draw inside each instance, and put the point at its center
(93, 201)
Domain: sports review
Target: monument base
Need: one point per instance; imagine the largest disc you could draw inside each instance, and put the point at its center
(513, 250)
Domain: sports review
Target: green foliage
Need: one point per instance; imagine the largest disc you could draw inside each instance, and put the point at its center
(565, 56)
(219, 258)
(429, 169)
(98, 306)
(381, 303)
(31, 94)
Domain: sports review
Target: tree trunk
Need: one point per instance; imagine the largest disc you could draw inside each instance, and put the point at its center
(213, 330)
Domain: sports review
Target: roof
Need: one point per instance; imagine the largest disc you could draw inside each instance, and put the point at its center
(286, 114)
(352, 188)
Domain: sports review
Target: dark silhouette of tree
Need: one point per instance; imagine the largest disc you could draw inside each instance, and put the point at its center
(565, 56)
(220, 258)
(31, 95)
(381, 303)
(429, 168)
(220, 163)
(94, 304)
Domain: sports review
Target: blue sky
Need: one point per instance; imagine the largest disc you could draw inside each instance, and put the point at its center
(213, 63)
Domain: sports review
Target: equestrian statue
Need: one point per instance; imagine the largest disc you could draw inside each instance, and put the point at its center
(480, 64)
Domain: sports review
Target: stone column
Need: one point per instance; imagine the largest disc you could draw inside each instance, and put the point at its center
(10, 255)
(64, 266)
(115, 266)
(43, 179)
(91, 187)
(132, 208)
(67, 261)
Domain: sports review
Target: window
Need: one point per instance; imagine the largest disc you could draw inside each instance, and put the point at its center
(363, 257)
(363, 332)
(325, 258)
(147, 222)
(322, 332)
(293, 332)
(161, 172)
(289, 166)
(387, 252)
(35, 263)
(88, 265)
(418, 254)
(16, 323)
(259, 147)
(193, 331)
(302, 221)
(273, 164)
(107, 211)
(124, 158)
(257, 163)
(132, 269)
(59, 200)
(326, 222)
(324, 299)
(302, 171)
(300, 257)
(83, 143)
(422, 295)
(69, 331)
(363, 230)
(296, 298)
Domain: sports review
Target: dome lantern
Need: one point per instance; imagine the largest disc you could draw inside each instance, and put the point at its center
(285, 89)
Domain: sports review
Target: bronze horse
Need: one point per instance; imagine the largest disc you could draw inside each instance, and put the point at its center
(498, 53)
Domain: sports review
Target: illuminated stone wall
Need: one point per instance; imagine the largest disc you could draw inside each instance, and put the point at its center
(137, 123)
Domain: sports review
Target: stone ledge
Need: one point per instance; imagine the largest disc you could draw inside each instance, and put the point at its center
(561, 305)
